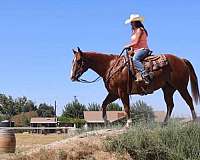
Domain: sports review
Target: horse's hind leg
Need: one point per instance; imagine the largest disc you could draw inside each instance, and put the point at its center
(168, 91)
(188, 99)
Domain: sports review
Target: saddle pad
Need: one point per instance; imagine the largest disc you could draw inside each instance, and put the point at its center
(152, 63)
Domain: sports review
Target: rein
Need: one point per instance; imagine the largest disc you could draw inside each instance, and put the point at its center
(107, 79)
(98, 78)
(86, 81)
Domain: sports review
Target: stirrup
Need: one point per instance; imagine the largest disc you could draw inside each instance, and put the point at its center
(147, 79)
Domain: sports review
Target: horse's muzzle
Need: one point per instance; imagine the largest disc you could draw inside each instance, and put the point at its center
(73, 78)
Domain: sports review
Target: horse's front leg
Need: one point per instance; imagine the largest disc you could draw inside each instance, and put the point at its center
(125, 100)
(109, 99)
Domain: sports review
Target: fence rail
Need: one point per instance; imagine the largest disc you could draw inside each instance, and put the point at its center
(36, 128)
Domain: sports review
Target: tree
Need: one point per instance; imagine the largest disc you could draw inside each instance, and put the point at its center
(45, 110)
(114, 107)
(10, 107)
(74, 109)
(94, 107)
(110, 107)
(73, 113)
(141, 111)
(22, 104)
(7, 106)
(3, 117)
(29, 106)
(23, 119)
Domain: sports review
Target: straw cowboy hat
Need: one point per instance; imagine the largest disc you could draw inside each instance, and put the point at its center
(134, 17)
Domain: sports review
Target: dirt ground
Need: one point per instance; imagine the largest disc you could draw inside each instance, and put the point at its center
(26, 141)
(84, 146)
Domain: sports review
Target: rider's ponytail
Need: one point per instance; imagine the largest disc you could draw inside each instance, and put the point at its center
(138, 24)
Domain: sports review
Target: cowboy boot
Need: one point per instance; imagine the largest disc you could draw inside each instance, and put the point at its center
(138, 77)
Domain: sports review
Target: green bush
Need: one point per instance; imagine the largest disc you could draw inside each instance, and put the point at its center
(79, 122)
(141, 111)
(173, 142)
(3, 117)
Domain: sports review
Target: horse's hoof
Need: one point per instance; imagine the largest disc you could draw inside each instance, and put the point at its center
(196, 120)
(126, 127)
(163, 124)
(106, 123)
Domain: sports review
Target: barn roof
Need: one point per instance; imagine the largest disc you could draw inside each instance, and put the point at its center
(43, 120)
(96, 116)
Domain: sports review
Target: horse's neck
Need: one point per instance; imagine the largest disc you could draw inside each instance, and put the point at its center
(100, 63)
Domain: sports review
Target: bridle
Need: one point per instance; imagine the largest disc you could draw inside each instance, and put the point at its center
(83, 61)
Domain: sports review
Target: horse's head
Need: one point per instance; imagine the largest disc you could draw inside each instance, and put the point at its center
(79, 65)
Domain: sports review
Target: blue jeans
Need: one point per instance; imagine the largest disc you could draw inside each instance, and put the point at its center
(140, 54)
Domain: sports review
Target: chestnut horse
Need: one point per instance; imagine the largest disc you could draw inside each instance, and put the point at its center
(174, 76)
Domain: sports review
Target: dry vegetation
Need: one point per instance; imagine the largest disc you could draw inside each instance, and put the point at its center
(142, 142)
(176, 141)
(84, 146)
(28, 141)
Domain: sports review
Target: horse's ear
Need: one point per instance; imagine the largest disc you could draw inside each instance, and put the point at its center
(79, 54)
(79, 50)
(74, 51)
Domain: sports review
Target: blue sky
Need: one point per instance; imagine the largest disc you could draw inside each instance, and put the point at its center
(36, 38)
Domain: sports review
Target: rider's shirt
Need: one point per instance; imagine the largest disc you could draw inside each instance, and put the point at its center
(139, 38)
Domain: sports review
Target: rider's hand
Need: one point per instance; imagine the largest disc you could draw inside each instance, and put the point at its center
(127, 46)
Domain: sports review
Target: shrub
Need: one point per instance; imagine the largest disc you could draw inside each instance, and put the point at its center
(79, 122)
(3, 117)
(173, 142)
(140, 111)
(23, 119)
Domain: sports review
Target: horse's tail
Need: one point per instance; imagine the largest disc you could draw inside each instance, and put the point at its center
(194, 82)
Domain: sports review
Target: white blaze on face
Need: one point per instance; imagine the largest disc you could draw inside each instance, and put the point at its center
(71, 74)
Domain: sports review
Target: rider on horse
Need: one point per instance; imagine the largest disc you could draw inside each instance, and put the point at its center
(138, 48)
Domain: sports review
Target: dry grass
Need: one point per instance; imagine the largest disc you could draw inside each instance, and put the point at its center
(28, 141)
(25, 142)
(77, 148)
(176, 141)
(86, 146)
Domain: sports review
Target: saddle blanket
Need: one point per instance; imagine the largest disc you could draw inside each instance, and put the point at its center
(153, 63)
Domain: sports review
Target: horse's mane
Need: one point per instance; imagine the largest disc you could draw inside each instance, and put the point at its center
(106, 55)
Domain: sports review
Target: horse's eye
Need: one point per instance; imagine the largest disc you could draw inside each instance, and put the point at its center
(79, 62)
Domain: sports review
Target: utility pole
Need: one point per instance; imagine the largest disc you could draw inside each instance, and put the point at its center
(55, 108)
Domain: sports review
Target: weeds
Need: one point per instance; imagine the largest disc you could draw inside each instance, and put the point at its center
(153, 142)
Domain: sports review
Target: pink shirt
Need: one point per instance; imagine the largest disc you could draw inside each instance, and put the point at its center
(139, 39)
